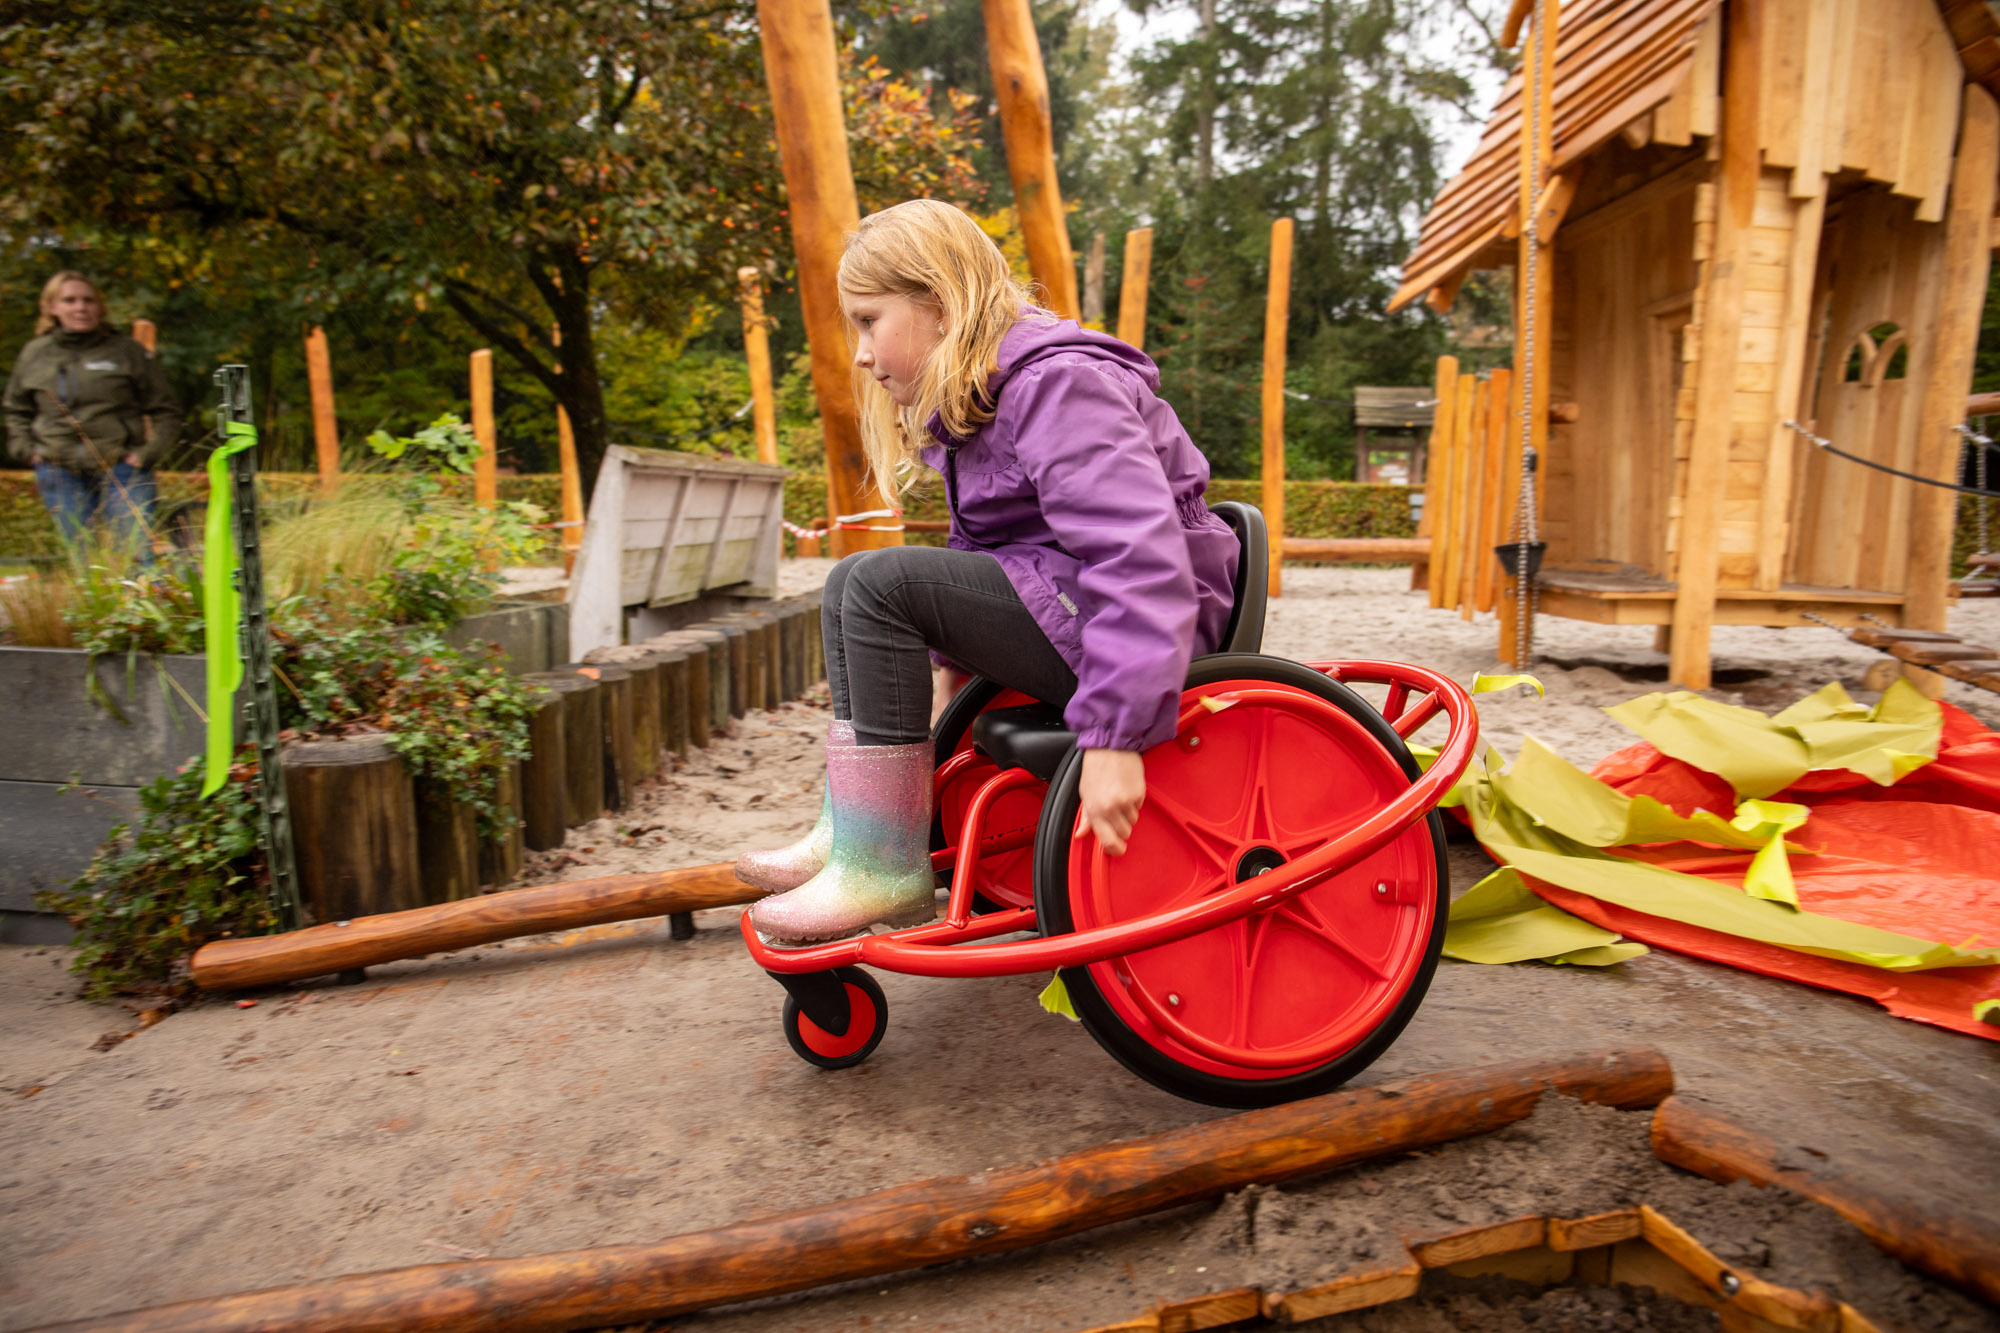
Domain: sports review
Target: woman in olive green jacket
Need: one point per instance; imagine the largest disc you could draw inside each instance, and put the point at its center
(78, 408)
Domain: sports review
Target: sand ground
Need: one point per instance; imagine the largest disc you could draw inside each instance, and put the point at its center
(611, 1086)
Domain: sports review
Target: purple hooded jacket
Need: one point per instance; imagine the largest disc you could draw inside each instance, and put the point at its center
(1089, 493)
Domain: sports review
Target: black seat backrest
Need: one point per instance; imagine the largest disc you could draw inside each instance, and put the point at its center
(1253, 577)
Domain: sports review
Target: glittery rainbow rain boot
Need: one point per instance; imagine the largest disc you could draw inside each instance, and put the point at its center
(789, 867)
(880, 869)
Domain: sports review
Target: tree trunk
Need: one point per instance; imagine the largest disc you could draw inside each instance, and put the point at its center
(1205, 99)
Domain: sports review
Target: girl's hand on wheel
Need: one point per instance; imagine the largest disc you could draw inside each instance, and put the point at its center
(1112, 789)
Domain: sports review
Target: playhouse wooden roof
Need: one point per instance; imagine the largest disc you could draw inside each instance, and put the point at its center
(1618, 59)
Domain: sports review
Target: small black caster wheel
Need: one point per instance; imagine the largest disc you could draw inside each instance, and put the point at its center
(868, 1019)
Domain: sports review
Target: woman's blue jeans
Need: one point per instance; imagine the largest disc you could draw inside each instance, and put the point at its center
(122, 497)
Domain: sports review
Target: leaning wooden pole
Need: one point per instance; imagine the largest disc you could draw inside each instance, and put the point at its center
(326, 428)
(1955, 335)
(268, 960)
(1277, 319)
(925, 1222)
(803, 72)
(486, 468)
(1951, 1245)
(1138, 270)
(572, 474)
(1021, 84)
(757, 352)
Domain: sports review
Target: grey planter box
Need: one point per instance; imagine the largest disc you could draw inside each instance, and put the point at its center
(56, 735)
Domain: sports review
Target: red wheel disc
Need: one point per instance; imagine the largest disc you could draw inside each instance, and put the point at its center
(1007, 878)
(860, 1027)
(1285, 990)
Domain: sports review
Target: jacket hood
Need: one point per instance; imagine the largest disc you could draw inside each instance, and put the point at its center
(1040, 336)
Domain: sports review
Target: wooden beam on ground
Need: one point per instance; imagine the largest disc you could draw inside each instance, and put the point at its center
(326, 431)
(268, 960)
(1954, 337)
(1277, 316)
(1137, 271)
(486, 469)
(925, 1222)
(1950, 1245)
(803, 72)
(757, 352)
(1021, 85)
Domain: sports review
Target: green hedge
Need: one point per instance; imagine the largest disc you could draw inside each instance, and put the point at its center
(1312, 508)
(27, 530)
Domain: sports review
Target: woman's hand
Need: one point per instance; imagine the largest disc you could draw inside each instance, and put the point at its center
(132, 459)
(1112, 789)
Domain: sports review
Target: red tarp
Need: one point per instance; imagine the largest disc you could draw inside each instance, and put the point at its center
(1921, 858)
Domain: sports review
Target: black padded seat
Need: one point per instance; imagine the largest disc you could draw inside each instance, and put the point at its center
(1031, 737)
(1034, 737)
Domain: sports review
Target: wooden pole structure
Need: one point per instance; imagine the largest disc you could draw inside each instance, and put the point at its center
(364, 941)
(1954, 338)
(804, 77)
(486, 468)
(326, 429)
(1951, 1245)
(1093, 281)
(757, 351)
(1725, 283)
(924, 1222)
(1021, 84)
(1277, 315)
(1132, 286)
(146, 334)
(1437, 466)
(572, 478)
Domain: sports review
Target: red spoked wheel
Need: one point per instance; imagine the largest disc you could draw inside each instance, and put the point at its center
(868, 1019)
(1289, 1001)
(1006, 879)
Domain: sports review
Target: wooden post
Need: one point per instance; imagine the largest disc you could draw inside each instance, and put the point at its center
(1954, 336)
(1093, 281)
(447, 844)
(326, 429)
(146, 334)
(757, 351)
(1503, 464)
(500, 858)
(544, 773)
(1725, 282)
(572, 480)
(1277, 313)
(1022, 86)
(486, 468)
(1138, 269)
(1480, 438)
(804, 77)
(583, 743)
(354, 824)
(1436, 461)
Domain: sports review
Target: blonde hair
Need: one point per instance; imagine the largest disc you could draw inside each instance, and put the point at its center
(930, 252)
(53, 288)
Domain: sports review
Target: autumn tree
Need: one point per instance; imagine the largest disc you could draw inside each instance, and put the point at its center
(529, 167)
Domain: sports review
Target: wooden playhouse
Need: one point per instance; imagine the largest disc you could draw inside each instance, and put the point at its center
(1744, 212)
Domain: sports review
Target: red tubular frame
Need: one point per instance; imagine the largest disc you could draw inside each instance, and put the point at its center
(951, 947)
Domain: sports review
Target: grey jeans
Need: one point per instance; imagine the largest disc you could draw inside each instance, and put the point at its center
(884, 609)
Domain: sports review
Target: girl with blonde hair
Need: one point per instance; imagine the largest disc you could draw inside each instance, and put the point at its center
(1083, 567)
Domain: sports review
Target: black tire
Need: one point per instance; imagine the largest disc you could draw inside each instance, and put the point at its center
(856, 979)
(1052, 911)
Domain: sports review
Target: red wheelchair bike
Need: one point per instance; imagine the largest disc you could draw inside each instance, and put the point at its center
(1279, 910)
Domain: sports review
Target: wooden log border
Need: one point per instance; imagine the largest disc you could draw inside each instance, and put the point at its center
(924, 1222)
